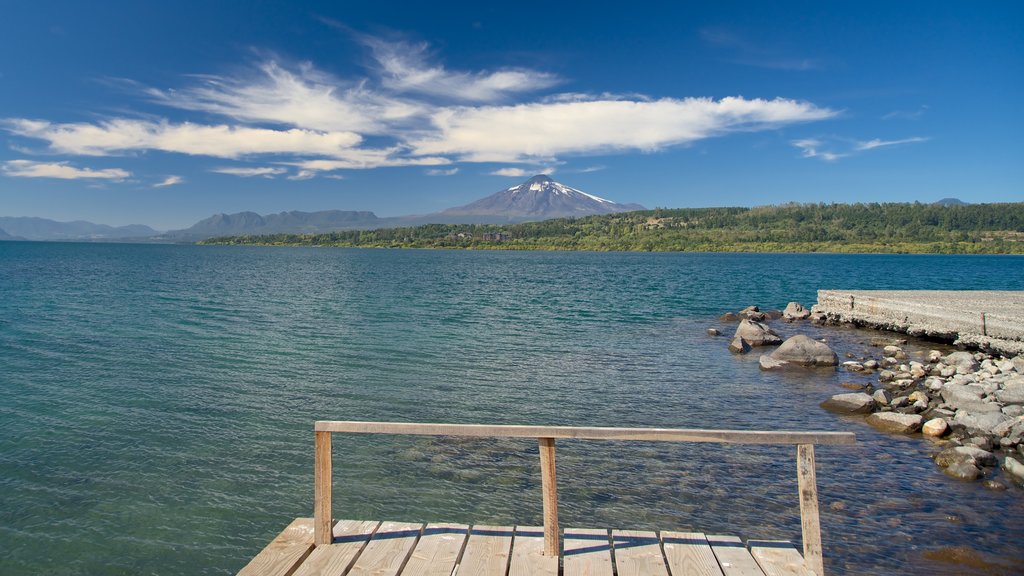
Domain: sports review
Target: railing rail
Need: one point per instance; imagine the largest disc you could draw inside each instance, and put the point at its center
(546, 436)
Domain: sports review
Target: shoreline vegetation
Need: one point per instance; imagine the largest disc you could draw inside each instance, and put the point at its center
(894, 228)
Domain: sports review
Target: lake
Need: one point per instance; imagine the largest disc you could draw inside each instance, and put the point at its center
(158, 401)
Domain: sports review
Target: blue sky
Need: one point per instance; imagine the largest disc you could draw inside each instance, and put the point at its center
(165, 113)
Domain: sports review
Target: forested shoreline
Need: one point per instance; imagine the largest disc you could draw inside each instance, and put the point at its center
(878, 228)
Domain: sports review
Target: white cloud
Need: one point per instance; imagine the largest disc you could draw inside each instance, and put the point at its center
(303, 175)
(590, 169)
(61, 170)
(815, 148)
(265, 171)
(521, 172)
(877, 143)
(169, 181)
(528, 132)
(405, 67)
(442, 172)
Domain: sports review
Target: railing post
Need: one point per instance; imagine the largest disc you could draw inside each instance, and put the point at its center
(809, 522)
(322, 520)
(549, 491)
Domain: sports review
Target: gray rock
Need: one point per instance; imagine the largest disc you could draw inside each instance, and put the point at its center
(729, 317)
(1013, 410)
(871, 364)
(882, 397)
(1014, 468)
(962, 471)
(1018, 364)
(739, 345)
(714, 332)
(1004, 428)
(818, 318)
(1012, 393)
(959, 396)
(934, 356)
(994, 485)
(966, 454)
(891, 350)
(1006, 366)
(852, 366)
(766, 362)
(757, 334)
(897, 423)
(795, 311)
(979, 423)
(852, 403)
(886, 376)
(964, 362)
(805, 351)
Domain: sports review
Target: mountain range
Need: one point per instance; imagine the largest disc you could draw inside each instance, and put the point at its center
(539, 198)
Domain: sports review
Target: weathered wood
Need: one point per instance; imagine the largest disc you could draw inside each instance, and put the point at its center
(386, 552)
(638, 553)
(588, 433)
(549, 493)
(350, 537)
(322, 469)
(437, 550)
(487, 551)
(689, 553)
(285, 552)
(809, 523)
(587, 553)
(733, 557)
(778, 558)
(528, 558)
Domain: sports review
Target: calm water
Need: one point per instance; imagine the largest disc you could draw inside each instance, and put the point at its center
(157, 401)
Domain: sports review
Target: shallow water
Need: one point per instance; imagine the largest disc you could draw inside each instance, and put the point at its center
(157, 401)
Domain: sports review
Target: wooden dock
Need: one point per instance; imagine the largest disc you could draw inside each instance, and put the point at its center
(321, 545)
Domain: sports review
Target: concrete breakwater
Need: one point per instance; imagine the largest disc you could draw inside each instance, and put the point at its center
(980, 319)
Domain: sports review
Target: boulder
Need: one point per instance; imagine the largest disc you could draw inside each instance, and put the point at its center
(882, 397)
(768, 363)
(1018, 363)
(739, 345)
(795, 311)
(805, 351)
(964, 362)
(1012, 392)
(1014, 468)
(982, 424)
(935, 427)
(757, 334)
(963, 471)
(852, 403)
(966, 454)
(896, 423)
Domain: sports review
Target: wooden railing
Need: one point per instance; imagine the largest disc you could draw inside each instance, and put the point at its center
(546, 435)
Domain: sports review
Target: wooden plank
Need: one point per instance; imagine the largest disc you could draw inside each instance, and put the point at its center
(549, 494)
(386, 552)
(528, 558)
(487, 551)
(437, 550)
(588, 433)
(322, 469)
(587, 553)
(689, 553)
(638, 553)
(733, 557)
(810, 525)
(350, 537)
(285, 552)
(778, 558)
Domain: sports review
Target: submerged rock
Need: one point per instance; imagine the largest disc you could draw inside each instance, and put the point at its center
(766, 362)
(805, 351)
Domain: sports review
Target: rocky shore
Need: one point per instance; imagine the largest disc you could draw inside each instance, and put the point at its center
(971, 404)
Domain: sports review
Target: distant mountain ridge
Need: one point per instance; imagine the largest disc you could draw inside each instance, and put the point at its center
(540, 197)
(951, 202)
(31, 228)
(243, 223)
(6, 236)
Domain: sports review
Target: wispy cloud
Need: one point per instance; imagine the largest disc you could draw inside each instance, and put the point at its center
(61, 170)
(816, 148)
(906, 114)
(441, 172)
(264, 171)
(742, 51)
(407, 67)
(531, 132)
(169, 181)
(521, 172)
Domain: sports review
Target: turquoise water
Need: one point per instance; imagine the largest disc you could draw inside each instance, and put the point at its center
(157, 401)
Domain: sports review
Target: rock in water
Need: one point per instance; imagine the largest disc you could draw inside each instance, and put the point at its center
(795, 311)
(1014, 468)
(739, 345)
(895, 422)
(805, 351)
(768, 363)
(852, 403)
(757, 334)
(714, 332)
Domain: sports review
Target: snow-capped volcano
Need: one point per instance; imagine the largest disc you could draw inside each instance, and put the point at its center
(540, 197)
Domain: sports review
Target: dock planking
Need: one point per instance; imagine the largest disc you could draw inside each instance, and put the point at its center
(373, 548)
